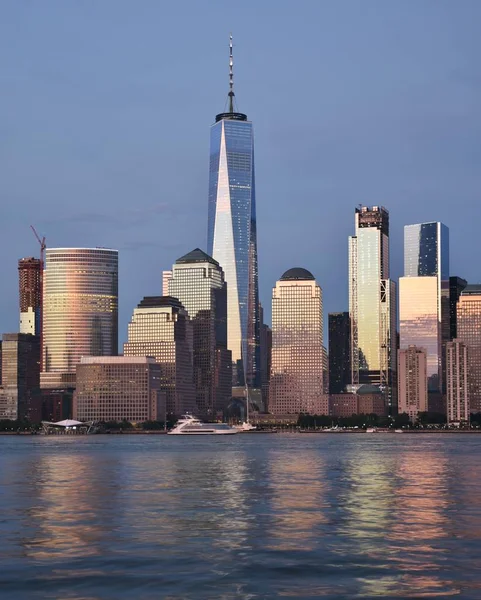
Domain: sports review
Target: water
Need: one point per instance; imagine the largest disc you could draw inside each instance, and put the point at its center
(246, 516)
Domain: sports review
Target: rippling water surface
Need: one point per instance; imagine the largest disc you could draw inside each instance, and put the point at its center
(246, 516)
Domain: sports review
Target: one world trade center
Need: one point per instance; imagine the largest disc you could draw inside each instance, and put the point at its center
(232, 237)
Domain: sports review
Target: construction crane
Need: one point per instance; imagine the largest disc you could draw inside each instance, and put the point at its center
(43, 246)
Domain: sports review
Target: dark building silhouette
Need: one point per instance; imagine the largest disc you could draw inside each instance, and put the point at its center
(30, 296)
(339, 352)
(456, 286)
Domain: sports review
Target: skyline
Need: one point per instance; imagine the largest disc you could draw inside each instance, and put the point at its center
(406, 137)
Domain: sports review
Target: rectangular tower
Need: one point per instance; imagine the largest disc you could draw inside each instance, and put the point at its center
(412, 382)
(457, 402)
(469, 332)
(30, 296)
(456, 286)
(372, 303)
(339, 352)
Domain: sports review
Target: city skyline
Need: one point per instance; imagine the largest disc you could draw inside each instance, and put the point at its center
(82, 207)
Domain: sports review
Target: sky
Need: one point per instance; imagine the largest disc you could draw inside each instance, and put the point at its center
(105, 110)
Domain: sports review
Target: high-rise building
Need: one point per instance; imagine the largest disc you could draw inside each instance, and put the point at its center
(197, 281)
(412, 381)
(118, 388)
(458, 408)
(456, 286)
(80, 311)
(160, 327)
(469, 332)
(339, 352)
(20, 381)
(266, 355)
(419, 324)
(166, 277)
(232, 235)
(426, 256)
(299, 360)
(30, 296)
(372, 304)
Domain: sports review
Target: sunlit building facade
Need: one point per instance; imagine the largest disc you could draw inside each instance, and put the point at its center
(458, 406)
(469, 332)
(298, 381)
(426, 255)
(372, 304)
(161, 328)
(232, 235)
(118, 388)
(30, 296)
(197, 280)
(412, 381)
(80, 310)
(419, 324)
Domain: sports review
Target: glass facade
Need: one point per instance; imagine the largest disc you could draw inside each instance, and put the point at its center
(469, 332)
(456, 286)
(372, 303)
(161, 328)
(232, 238)
(80, 314)
(339, 352)
(419, 324)
(117, 388)
(299, 360)
(197, 281)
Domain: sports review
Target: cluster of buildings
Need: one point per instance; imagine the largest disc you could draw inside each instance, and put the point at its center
(201, 345)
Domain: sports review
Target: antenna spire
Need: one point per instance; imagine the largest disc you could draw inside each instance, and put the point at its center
(231, 76)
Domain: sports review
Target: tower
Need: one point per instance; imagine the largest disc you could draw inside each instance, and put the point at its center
(232, 235)
(80, 311)
(469, 332)
(412, 381)
(339, 353)
(197, 280)
(372, 304)
(457, 401)
(30, 296)
(299, 360)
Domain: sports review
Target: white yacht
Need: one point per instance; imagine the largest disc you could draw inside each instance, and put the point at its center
(190, 425)
(246, 426)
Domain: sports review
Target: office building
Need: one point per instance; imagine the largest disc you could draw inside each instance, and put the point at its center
(412, 381)
(469, 332)
(456, 286)
(118, 388)
(198, 282)
(365, 400)
(80, 311)
(232, 235)
(161, 328)
(426, 255)
(20, 377)
(458, 408)
(372, 304)
(266, 356)
(166, 277)
(299, 360)
(339, 352)
(30, 295)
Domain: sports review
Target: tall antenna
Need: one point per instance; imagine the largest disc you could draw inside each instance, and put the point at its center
(231, 76)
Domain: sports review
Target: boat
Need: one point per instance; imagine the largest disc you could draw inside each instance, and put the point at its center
(245, 427)
(398, 431)
(190, 425)
(371, 430)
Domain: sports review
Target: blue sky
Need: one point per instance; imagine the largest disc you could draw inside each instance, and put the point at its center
(105, 108)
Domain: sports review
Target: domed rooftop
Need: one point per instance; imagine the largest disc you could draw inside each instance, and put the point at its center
(368, 389)
(297, 273)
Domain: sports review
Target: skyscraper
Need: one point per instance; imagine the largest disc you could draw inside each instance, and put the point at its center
(299, 360)
(197, 281)
(80, 310)
(456, 286)
(160, 327)
(412, 381)
(30, 296)
(458, 407)
(469, 332)
(339, 352)
(426, 255)
(372, 304)
(232, 235)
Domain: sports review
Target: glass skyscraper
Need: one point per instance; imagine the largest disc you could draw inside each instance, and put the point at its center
(469, 332)
(424, 296)
(372, 304)
(232, 237)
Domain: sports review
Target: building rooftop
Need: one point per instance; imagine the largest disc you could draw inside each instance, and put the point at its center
(368, 389)
(473, 289)
(298, 273)
(196, 256)
(159, 301)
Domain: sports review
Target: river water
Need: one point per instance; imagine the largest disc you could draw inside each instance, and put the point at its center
(246, 516)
